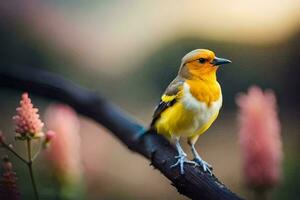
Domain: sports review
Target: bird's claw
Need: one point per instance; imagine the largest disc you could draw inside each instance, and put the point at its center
(181, 160)
(205, 166)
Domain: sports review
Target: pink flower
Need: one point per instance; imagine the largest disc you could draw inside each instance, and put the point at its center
(64, 151)
(27, 120)
(50, 135)
(260, 139)
(8, 186)
(48, 138)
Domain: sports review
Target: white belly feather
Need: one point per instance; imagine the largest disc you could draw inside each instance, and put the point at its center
(203, 113)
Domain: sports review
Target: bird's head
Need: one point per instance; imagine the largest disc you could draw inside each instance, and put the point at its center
(201, 63)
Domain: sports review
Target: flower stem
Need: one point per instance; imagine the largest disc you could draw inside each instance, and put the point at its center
(37, 153)
(6, 146)
(31, 170)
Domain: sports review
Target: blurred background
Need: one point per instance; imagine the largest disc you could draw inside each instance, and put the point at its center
(129, 51)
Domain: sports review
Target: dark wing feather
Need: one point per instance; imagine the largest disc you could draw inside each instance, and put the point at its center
(171, 90)
(160, 108)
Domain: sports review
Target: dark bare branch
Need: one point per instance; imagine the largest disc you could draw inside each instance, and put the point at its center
(194, 184)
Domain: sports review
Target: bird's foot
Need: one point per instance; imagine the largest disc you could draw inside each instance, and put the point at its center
(181, 160)
(205, 166)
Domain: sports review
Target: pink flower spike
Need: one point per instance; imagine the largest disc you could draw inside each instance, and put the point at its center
(64, 151)
(259, 138)
(8, 182)
(27, 120)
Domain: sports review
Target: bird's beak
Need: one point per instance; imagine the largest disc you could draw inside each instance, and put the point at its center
(220, 61)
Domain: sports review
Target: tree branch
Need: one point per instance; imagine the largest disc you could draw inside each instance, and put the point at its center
(194, 184)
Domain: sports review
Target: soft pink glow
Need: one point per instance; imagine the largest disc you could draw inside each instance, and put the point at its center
(64, 151)
(27, 119)
(260, 138)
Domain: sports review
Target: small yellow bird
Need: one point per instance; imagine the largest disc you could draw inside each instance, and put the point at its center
(190, 104)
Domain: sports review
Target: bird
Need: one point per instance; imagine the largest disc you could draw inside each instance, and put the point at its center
(190, 104)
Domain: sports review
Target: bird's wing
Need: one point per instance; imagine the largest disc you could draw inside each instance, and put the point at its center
(169, 98)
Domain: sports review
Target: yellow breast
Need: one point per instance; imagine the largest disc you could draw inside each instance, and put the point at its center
(190, 115)
(205, 91)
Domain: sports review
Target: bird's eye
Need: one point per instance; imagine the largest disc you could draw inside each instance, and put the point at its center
(202, 60)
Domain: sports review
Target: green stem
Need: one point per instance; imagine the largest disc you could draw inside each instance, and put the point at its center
(6, 146)
(37, 153)
(31, 170)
